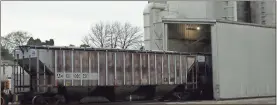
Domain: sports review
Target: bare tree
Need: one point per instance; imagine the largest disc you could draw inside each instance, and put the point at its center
(130, 37)
(98, 35)
(86, 41)
(113, 35)
(13, 39)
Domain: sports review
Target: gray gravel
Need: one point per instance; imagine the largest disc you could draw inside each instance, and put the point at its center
(271, 100)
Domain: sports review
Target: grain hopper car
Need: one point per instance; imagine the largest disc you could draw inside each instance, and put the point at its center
(113, 74)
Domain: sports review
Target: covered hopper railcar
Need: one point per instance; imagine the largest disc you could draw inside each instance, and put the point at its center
(110, 73)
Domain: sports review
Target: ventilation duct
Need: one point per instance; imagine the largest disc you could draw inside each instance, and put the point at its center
(150, 17)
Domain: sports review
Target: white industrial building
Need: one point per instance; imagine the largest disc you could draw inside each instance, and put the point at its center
(240, 35)
(7, 68)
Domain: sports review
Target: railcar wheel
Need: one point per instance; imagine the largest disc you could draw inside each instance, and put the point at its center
(39, 100)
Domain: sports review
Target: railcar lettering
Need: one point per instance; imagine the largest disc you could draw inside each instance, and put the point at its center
(59, 75)
(77, 76)
(67, 75)
(85, 76)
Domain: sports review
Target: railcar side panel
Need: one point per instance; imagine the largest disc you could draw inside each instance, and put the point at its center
(111, 68)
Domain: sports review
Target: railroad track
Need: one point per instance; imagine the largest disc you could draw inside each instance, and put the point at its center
(269, 100)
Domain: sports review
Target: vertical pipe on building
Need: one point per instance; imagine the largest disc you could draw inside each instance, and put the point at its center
(165, 37)
(152, 30)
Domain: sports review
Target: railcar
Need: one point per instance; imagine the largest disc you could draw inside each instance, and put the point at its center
(116, 75)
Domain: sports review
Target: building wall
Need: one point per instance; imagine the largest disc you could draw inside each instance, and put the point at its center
(262, 12)
(259, 12)
(239, 51)
(243, 61)
(184, 9)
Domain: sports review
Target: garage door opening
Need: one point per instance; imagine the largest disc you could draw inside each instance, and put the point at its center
(189, 38)
(194, 38)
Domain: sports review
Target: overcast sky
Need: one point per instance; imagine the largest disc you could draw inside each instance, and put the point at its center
(66, 21)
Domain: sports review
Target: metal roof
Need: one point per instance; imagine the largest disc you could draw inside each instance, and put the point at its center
(188, 20)
(209, 21)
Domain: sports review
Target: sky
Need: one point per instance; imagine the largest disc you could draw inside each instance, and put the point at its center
(67, 22)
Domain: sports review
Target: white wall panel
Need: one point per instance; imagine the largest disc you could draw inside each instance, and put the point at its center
(184, 8)
(243, 60)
